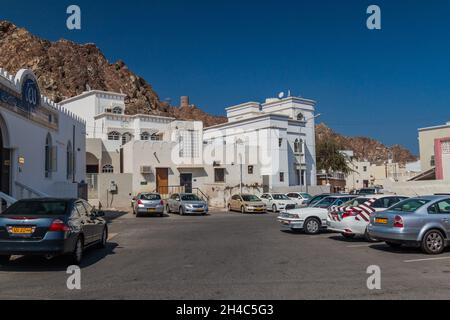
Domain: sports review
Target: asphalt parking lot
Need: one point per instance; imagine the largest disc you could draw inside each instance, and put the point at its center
(229, 256)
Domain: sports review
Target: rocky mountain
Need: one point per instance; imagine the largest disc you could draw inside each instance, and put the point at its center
(366, 148)
(65, 69)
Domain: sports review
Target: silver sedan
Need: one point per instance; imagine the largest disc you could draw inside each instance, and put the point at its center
(422, 221)
(148, 203)
(185, 203)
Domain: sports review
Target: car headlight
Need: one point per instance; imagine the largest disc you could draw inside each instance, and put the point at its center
(188, 206)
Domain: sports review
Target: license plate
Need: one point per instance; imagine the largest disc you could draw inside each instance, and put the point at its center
(151, 210)
(199, 210)
(21, 230)
(381, 220)
(258, 209)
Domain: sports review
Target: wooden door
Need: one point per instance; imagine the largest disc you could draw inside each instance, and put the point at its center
(162, 180)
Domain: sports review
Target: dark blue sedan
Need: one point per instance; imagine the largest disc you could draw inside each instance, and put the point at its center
(51, 227)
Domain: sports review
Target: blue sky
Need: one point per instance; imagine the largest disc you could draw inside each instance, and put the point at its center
(383, 84)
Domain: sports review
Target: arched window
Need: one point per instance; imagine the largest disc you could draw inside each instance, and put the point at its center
(145, 136)
(107, 168)
(300, 117)
(70, 161)
(126, 137)
(114, 135)
(117, 110)
(49, 158)
(298, 146)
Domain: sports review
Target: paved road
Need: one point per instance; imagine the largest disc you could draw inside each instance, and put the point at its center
(229, 256)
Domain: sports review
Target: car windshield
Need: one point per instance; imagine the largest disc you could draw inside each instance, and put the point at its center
(190, 197)
(280, 197)
(355, 202)
(250, 198)
(367, 191)
(37, 208)
(410, 205)
(325, 203)
(150, 197)
(306, 195)
(316, 199)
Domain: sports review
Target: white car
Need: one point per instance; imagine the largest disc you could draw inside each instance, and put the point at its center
(353, 218)
(277, 201)
(299, 197)
(311, 219)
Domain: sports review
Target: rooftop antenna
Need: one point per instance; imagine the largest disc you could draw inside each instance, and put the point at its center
(289, 93)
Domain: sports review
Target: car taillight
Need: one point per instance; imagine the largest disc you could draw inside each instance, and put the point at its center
(58, 225)
(140, 202)
(398, 222)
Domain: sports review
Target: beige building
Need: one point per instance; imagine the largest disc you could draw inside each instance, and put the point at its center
(427, 138)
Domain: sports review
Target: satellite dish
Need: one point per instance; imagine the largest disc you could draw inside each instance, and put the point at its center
(281, 95)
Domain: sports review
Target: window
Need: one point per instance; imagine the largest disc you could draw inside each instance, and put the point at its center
(126, 137)
(156, 137)
(189, 144)
(293, 195)
(117, 110)
(280, 142)
(365, 169)
(145, 136)
(107, 168)
(442, 207)
(432, 161)
(300, 117)
(37, 208)
(114, 135)
(298, 146)
(250, 169)
(70, 162)
(410, 205)
(219, 175)
(50, 156)
(281, 176)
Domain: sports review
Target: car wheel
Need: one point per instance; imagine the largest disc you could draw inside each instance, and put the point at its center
(243, 210)
(76, 255)
(348, 235)
(4, 260)
(274, 208)
(312, 226)
(368, 237)
(104, 239)
(393, 244)
(433, 242)
(181, 211)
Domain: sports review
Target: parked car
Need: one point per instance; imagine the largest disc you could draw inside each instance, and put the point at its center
(369, 191)
(316, 199)
(311, 219)
(148, 203)
(421, 221)
(299, 198)
(352, 218)
(185, 203)
(51, 227)
(246, 203)
(277, 201)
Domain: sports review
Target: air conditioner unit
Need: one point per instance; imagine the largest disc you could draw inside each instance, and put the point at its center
(146, 169)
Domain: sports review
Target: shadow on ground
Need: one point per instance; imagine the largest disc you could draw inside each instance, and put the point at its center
(41, 264)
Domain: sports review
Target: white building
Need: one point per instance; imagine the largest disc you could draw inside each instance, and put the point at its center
(269, 146)
(42, 144)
